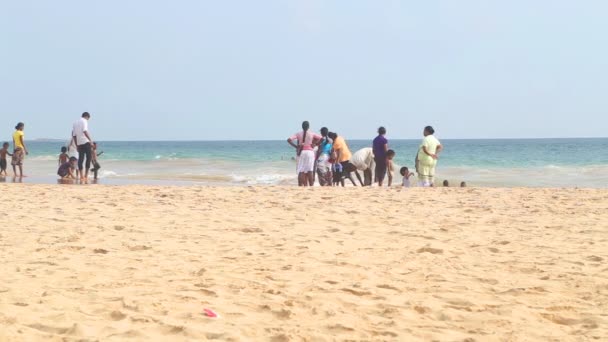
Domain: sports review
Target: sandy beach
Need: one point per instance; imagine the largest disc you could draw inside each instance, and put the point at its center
(142, 263)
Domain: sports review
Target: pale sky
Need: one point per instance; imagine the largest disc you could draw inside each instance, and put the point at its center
(220, 70)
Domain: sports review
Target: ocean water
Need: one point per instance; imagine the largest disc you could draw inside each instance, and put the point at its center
(525, 162)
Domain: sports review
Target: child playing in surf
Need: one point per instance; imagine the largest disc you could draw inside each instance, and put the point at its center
(66, 170)
(3, 163)
(94, 156)
(405, 172)
(63, 157)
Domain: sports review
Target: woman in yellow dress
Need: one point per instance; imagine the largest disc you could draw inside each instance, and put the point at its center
(427, 156)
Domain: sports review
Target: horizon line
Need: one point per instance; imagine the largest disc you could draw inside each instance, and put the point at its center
(273, 140)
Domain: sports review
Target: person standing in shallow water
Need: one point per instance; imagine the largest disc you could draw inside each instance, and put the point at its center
(306, 154)
(20, 151)
(380, 148)
(324, 165)
(426, 159)
(82, 139)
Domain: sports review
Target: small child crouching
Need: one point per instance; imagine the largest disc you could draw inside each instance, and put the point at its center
(66, 170)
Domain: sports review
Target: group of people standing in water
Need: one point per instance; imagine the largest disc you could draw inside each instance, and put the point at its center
(327, 156)
(69, 167)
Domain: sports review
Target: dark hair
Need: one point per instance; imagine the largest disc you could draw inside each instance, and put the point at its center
(332, 135)
(382, 130)
(390, 153)
(72, 159)
(64, 149)
(446, 183)
(403, 170)
(324, 131)
(86, 115)
(463, 184)
(19, 125)
(5, 143)
(429, 129)
(305, 127)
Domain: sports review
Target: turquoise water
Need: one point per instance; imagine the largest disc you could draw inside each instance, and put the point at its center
(529, 162)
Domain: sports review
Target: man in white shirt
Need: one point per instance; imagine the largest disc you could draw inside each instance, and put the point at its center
(82, 139)
(364, 161)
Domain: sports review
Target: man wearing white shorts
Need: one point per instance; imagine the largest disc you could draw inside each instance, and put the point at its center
(306, 154)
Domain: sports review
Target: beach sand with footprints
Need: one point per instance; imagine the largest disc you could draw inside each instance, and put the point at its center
(142, 263)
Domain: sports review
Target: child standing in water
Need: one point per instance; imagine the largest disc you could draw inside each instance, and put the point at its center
(3, 163)
(405, 172)
(390, 155)
(94, 156)
(63, 157)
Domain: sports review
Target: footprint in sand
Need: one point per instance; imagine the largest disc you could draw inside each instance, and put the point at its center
(594, 258)
(251, 230)
(430, 250)
(384, 333)
(280, 338)
(388, 287)
(565, 320)
(488, 281)
(117, 316)
(73, 330)
(357, 293)
(139, 248)
(282, 314)
(339, 328)
(422, 309)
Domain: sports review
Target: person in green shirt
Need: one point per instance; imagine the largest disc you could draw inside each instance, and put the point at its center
(426, 159)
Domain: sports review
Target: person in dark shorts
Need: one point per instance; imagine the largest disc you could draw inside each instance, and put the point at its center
(380, 147)
(342, 156)
(3, 163)
(82, 139)
(66, 170)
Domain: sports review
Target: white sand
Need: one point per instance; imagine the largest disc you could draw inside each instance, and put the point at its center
(281, 264)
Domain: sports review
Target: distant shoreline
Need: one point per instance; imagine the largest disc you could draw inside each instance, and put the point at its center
(352, 139)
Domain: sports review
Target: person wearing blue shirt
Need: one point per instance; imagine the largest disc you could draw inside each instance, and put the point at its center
(324, 164)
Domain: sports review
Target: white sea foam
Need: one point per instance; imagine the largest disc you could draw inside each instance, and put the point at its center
(237, 172)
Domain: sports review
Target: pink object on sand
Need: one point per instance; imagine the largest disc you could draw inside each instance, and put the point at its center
(210, 313)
